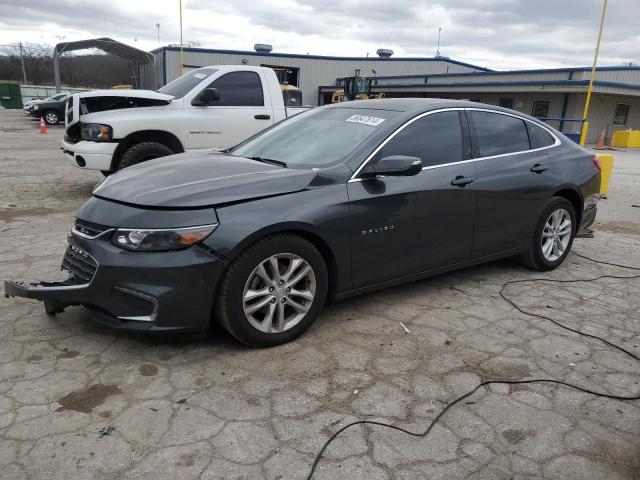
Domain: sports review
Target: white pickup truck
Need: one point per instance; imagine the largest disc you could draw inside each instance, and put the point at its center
(210, 107)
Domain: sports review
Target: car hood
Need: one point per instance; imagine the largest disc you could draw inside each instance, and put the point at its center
(201, 179)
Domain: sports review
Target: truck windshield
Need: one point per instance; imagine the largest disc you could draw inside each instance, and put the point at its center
(316, 138)
(184, 84)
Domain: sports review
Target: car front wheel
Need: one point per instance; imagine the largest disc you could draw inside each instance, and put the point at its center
(273, 291)
(51, 117)
(553, 236)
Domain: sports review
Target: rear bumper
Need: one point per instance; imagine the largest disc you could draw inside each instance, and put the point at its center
(588, 217)
(151, 292)
(89, 155)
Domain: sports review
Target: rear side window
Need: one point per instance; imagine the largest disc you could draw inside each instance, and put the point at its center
(436, 139)
(539, 137)
(499, 134)
(239, 89)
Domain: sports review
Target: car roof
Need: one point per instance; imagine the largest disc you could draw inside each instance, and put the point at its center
(409, 104)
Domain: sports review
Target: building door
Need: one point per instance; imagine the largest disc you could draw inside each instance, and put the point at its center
(506, 103)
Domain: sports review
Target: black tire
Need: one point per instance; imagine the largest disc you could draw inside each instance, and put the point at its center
(106, 173)
(141, 152)
(534, 257)
(51, 117)
(229, 303)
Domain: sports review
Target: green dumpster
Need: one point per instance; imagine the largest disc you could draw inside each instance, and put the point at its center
(10, 96)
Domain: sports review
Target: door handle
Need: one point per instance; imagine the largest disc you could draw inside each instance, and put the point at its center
(262, 117)
(461, 181)
(537, 168)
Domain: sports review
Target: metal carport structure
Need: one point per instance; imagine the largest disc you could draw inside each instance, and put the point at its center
(135, 57)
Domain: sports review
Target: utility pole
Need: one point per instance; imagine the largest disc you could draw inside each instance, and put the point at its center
(585, 123)
(24, 72)
(438, 47)
(181, 50)
(158, 27)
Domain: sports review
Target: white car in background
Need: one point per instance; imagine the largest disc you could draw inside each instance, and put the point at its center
(210, 107)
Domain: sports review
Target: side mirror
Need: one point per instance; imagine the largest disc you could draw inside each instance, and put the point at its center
(394, 166)
(208, 96)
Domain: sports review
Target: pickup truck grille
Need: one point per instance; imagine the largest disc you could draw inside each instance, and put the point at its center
(79, 264)
(88, 228)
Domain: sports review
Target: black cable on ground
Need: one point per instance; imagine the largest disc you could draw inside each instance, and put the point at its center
(509, 382)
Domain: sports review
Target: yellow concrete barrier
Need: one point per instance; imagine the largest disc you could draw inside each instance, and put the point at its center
(606, 161)
(626, 139)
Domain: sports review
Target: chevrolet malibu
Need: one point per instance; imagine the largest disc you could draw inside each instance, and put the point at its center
(334, 202)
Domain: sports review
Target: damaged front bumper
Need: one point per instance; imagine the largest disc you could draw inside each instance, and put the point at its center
(154, 291)
(55, 295)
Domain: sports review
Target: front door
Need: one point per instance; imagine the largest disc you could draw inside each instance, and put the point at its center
(239, 113)
(405, 225)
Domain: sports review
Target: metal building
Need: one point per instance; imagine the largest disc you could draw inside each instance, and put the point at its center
(554, 94)
(307, 72)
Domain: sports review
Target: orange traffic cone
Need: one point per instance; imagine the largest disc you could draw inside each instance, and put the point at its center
(600, 143)
(43, 126)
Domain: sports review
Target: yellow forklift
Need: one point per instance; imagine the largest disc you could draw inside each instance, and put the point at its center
(355, 88)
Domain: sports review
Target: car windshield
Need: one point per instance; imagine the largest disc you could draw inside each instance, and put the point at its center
(184, 84)
(315, 139)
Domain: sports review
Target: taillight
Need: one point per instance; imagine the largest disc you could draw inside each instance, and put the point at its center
(596, 162)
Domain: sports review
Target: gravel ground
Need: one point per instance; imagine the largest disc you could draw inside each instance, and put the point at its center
(207, 407)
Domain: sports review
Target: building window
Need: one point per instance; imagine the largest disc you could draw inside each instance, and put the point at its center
(621, 114)
(540, 108)
(286, 75)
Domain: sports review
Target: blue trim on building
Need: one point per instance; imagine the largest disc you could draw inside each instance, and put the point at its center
(322, 57)
(514, 82)
(570, 70)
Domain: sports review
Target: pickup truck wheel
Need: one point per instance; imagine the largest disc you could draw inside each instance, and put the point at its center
(141, 152)
(51, 117)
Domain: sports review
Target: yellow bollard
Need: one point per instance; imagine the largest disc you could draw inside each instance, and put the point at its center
(606, 161)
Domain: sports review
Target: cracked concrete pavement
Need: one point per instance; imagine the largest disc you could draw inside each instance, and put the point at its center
(205, 407)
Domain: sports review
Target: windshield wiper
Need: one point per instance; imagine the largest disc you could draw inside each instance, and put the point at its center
(269, 160)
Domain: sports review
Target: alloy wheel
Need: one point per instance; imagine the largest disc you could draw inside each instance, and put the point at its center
(279, 292)
(51, 118)
(556, 235)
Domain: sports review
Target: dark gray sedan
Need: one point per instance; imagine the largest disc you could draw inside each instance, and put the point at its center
(333, 202)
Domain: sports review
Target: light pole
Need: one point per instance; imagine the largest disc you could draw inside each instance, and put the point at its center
(181, 50)
(158, 27)
(585, 123)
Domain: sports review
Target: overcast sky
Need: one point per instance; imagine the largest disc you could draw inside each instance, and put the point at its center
(499, 34)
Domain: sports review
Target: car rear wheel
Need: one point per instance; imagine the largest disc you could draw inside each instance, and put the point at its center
(141, 152)
(51, 117)
(273, 291)
(553, 236)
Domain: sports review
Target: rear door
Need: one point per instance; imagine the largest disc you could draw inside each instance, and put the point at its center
(406, 225)
(243, 109)
(515, 177)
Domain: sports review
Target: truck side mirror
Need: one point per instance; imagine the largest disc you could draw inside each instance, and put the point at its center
(208, 96)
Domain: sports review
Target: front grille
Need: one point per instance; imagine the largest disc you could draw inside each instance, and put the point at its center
(79, 264)
(89, 229)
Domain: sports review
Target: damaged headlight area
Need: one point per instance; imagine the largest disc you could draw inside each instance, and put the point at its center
(96, 132)
(160, 240)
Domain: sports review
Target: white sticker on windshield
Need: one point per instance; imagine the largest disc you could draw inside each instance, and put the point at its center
(200, 75)
(373, 121)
